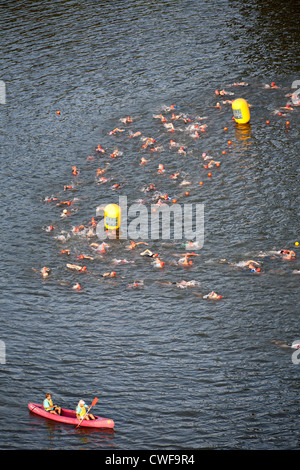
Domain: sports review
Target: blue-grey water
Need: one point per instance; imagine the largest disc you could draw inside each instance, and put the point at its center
(174, 371)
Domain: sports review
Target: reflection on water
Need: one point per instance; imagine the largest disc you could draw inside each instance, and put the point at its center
(243, 134)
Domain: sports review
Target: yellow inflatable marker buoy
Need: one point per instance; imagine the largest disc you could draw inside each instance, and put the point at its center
(112, 217)
(241, 112)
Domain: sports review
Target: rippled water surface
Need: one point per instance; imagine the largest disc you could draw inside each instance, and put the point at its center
(174, 371)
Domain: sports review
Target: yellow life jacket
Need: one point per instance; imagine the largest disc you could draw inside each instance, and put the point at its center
(50, 407)
(83, 410)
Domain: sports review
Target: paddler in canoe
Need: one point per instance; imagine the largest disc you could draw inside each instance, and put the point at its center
(48, 405)
(82, 411)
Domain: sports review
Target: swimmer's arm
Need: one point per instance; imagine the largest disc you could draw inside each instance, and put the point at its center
(250, 262)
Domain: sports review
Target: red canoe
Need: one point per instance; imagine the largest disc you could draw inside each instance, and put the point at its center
(69, 417)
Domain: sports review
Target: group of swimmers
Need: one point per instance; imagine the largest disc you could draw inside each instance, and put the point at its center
(169, 118)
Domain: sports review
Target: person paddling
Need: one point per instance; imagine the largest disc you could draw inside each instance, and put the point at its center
(82, 411)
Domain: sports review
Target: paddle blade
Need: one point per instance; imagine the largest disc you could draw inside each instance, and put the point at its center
(94, 402)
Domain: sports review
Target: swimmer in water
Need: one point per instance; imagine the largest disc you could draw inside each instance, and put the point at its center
(100, 247)
(143, 161)
(78, 229)
(252, 265)
(127, 120)
(182, 284)
(103, 180)
(136, 284)
(170, 126)
(287, 107)
(148, 253)
(205, 156)
(116, 153)
(160, 116)
(68, 186)
(101, 171)
(184, 261)
(93, 222)
(76, 286)
(158, 263)
(173, 106)
(100, 149)
(182, 150)
(223, 92)
(148, 141)
(134, 244)
(65, 213)
(185, 183)
(63, 238)
(115, 131)
(45, 272)
(174, 117)
(51, 199)
(85, 257)
(116, 186)
(272, 85)
(136, 134)
(109, 275)
(254, 269)
(156, 149)
(151, 187)
(212, 296)
(75, 267)
(63, 203)
(288, 254)
(239, 84)
(218, 106)
(211, 163)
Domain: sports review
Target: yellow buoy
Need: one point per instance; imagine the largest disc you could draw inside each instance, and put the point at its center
(241, 112)
(112, 217)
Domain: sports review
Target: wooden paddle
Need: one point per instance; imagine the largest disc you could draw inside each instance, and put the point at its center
(93, 404)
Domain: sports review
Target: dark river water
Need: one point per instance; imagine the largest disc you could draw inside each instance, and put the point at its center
(174, 370)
